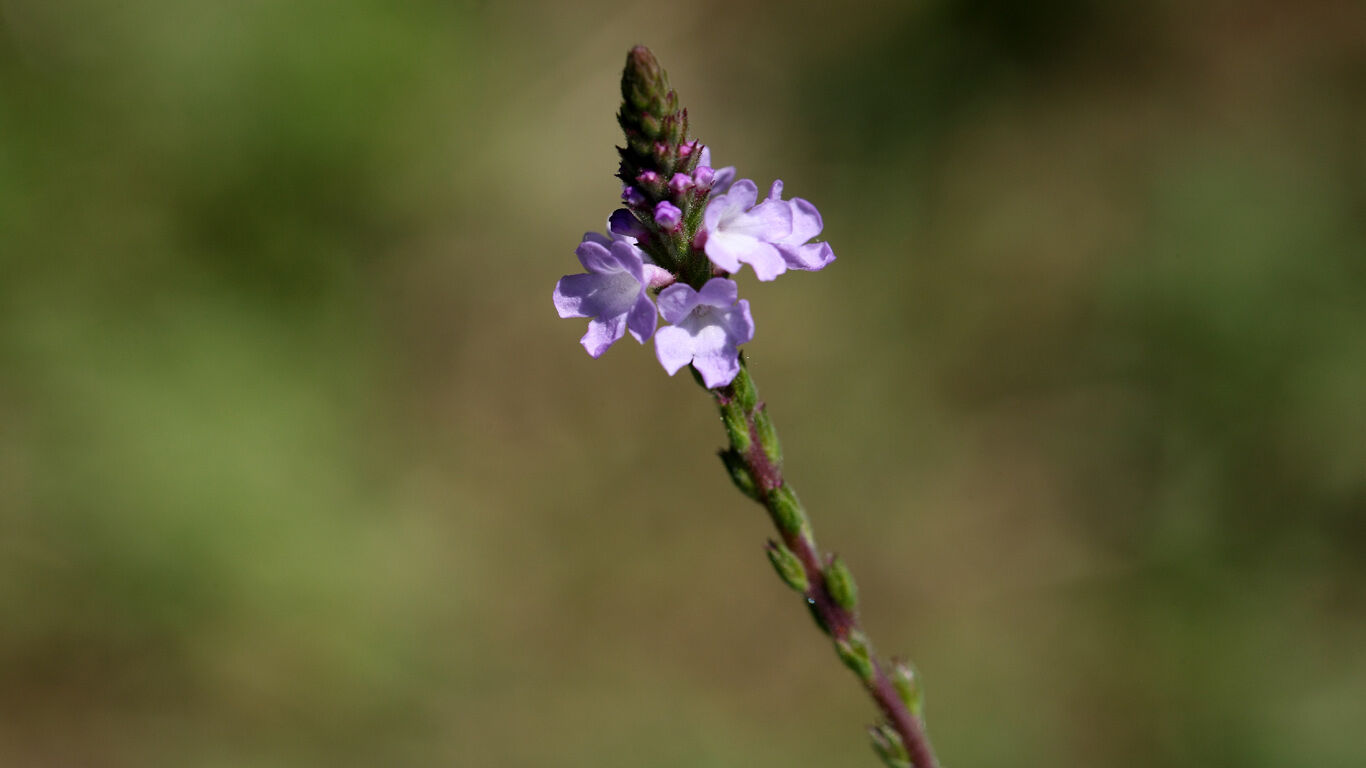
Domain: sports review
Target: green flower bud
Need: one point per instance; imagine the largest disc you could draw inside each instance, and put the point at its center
(788, 566)
(840, 582)
(737, 426)
(907, 683)
(889, 746)
(853, 651)
(787, 511)
(768, 436)
(739, 473)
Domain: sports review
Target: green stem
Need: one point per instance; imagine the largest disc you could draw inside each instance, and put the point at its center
(754, 460)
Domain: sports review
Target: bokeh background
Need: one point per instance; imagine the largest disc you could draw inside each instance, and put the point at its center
(299, 468)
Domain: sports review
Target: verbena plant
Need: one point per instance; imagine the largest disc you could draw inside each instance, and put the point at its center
(685, 228)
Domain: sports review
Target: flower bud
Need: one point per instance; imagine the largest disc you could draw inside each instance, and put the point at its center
(840, 582)
(889, 746)
(789, 568)
(680, 183)
(668, 216)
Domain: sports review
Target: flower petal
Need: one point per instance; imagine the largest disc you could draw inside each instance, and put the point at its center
(721, 181)
(740, 323)
(570, 293)
(603, 332)
(718, 292)
(676, 301)
(673, 348)
(806, 221)
(767, 262)
(810, 257)
(594, 256)
(642, 318)
(718, 367)
(726, 250)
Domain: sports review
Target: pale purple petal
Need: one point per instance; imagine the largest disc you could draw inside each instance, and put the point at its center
(570, 293)
(676, 301)
(595, 256)
(767, 261)
(721, 182)
(717, 366)
(718, 292)
(599, 238)
(594, 295)
(740, 323)
(630, 258)
(810, 257)
(769, 221)
(603, 333)
(726, 251)
(796, 251)
(673, 348)
(642, 318)
(741, 197)
(806, 221)
(704, 160)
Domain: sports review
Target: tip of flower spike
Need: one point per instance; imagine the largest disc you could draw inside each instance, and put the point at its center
(643, 82)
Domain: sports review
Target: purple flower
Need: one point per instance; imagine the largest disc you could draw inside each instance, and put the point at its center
(612, 293)
(668, 215)
(708, 326)
(720, 178)
(740, 231)
(806, 224)
(624, 223)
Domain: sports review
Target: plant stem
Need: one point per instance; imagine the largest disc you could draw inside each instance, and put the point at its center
(755, 462)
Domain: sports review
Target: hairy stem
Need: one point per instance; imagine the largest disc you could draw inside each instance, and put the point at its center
(754, 460)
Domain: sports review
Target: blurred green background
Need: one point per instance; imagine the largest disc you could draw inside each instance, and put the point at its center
(299, 468)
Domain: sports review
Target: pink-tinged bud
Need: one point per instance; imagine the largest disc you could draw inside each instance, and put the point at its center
(704, 177)
(668, 216)
(648, 179)
(680, 183)
(685, 151)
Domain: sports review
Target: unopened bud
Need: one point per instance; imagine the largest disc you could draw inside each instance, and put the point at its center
(889, 746)
(788, 566)
(907, 683)
(668, 216)
(739, 473)
(840, 582)
(853, 651)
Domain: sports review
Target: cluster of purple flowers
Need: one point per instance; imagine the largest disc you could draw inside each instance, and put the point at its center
(706, 325)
